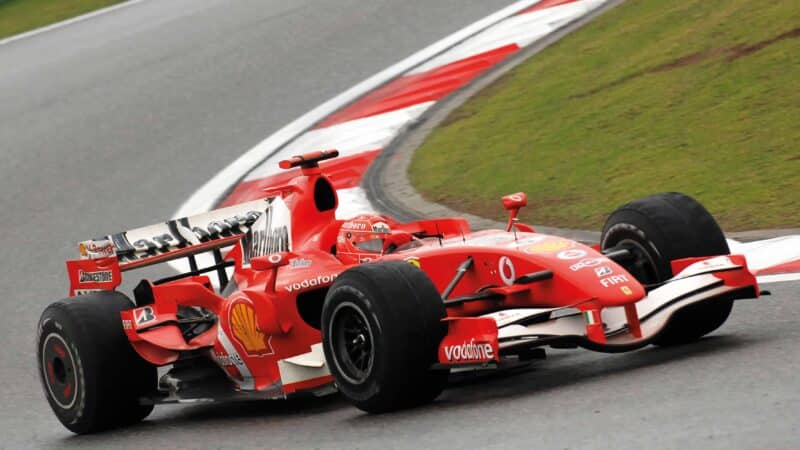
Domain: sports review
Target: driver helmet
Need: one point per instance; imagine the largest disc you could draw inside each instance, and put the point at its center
(361, 239)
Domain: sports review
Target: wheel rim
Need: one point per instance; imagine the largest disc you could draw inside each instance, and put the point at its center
(642, 265)
(352, 342)
(59, 371)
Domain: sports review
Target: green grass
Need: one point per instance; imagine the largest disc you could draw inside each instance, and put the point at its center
(17, 16)
(696, 96)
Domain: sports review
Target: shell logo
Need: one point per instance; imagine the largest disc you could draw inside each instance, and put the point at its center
(549, 246)
(242, 320)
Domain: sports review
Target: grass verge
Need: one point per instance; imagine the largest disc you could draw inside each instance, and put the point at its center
(18, 16)
(697, 96)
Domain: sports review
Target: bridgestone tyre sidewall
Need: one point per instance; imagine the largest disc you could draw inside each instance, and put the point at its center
(111, 377)
(404, 312)
(673, 226)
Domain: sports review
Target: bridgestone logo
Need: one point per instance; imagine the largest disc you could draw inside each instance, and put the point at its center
(103, 276)
(321, 280)
(469, 351)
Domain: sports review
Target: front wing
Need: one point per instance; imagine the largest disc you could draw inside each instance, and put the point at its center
(484, 340)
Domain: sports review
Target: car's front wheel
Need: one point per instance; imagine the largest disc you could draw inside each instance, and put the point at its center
(657, 230)
(381, 328)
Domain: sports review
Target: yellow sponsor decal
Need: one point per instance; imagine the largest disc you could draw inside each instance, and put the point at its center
(626, 290)
(414, 261)
(550, 246)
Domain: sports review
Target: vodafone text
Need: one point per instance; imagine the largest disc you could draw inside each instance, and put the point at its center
(469, 351)
(320, 280)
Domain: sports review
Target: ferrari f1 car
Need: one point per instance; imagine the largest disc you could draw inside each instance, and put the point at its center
(379, 310)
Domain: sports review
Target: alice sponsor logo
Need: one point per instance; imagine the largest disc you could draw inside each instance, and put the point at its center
(614, 280)
(469, 351)
(320, 280)
(300, 263)
(101, 276)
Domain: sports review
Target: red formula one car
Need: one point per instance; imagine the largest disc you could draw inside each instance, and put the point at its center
(380, 310)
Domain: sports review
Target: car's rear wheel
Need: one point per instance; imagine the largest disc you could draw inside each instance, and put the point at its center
(381, 328)
(92, 377)
(661, 228)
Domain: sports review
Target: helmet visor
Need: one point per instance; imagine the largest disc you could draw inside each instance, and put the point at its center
(371, 246)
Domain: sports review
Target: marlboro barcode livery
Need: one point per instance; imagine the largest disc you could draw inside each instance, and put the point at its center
(293, 300)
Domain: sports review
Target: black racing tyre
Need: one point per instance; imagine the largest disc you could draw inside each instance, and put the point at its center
(381, 329)
(91, 376)
(661, 228)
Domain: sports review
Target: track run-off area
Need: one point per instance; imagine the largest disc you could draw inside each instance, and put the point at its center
(113, 122)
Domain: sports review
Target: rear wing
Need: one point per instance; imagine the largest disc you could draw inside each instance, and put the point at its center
(262, 224)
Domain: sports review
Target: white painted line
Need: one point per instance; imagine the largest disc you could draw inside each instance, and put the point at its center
(206, 197)
(352, 137)
(522, 30)
(769, 252)
(352, 202)
(778, 278)
(68, 22)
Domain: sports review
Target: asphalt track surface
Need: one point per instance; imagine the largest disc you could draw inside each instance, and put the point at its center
(113, 122)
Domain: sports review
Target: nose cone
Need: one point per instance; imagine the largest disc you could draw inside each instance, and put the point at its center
(586, 269)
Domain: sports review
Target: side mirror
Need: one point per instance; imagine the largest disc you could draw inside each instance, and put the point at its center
(512, 203)
(515, 201)
(269, 262)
